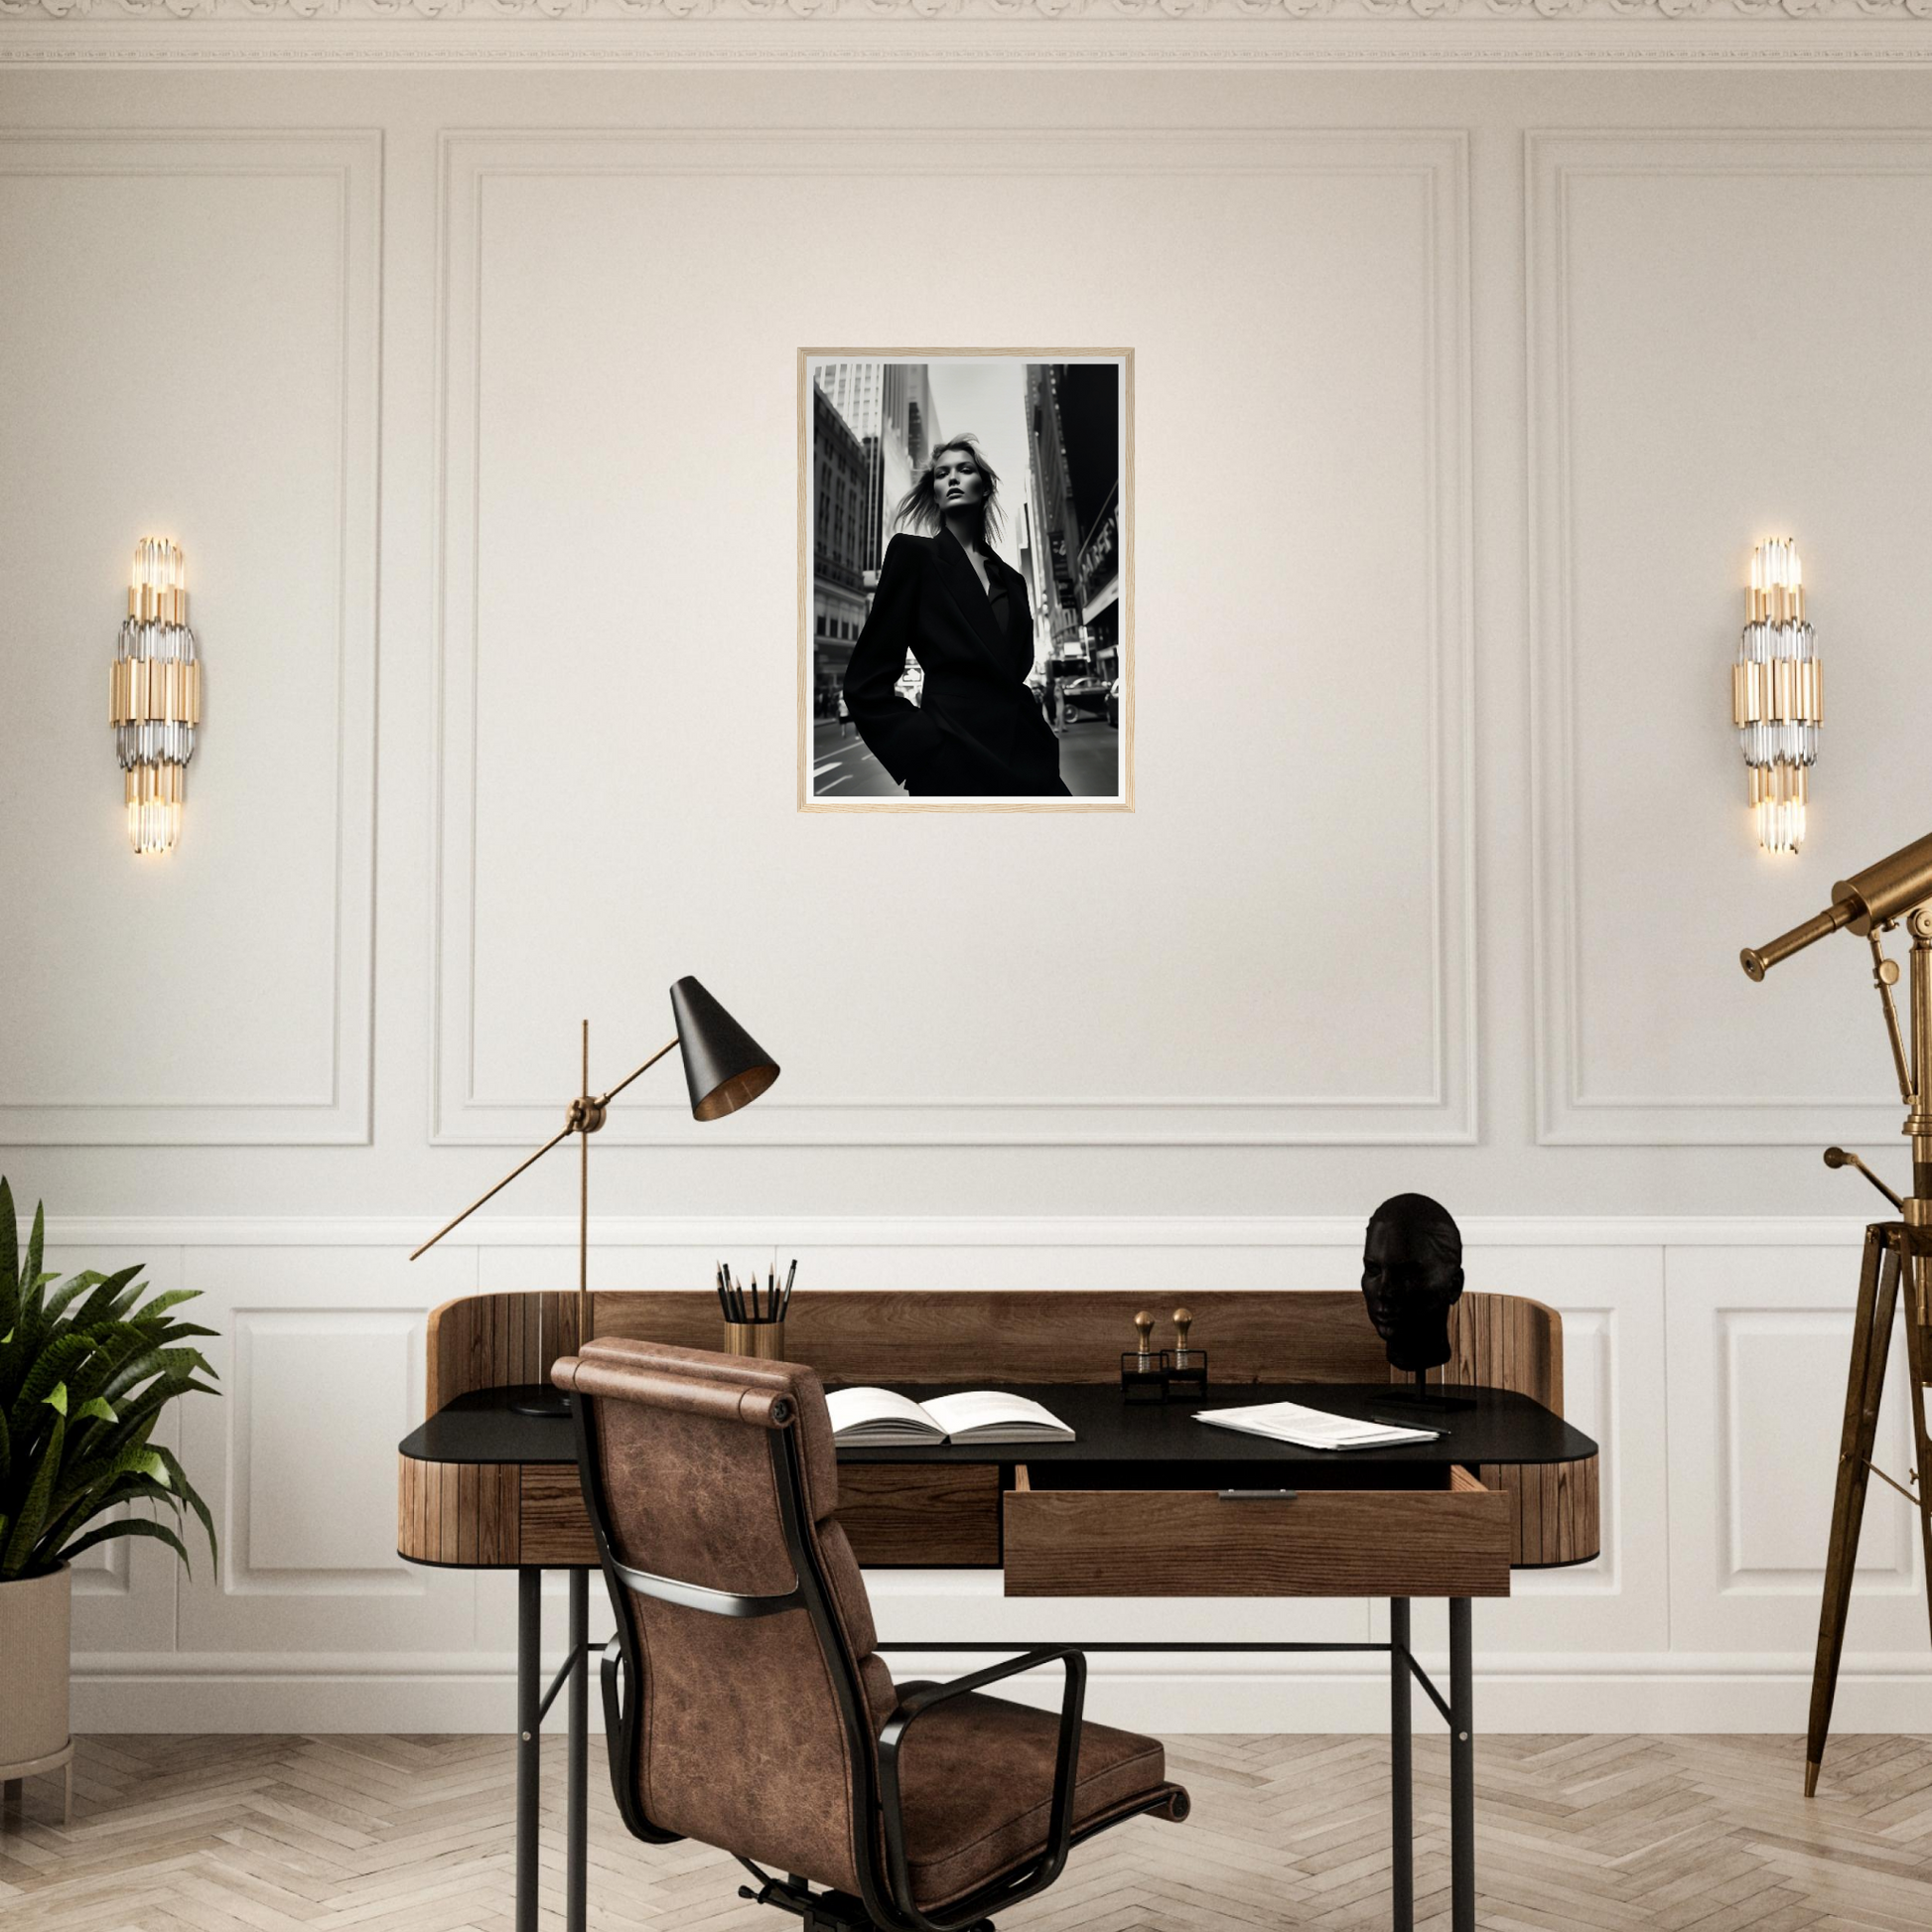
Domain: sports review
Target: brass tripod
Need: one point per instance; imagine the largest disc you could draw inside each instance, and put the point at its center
(1897, 1253)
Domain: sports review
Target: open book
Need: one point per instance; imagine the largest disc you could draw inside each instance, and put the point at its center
(1289, 1421)
(879, 1419)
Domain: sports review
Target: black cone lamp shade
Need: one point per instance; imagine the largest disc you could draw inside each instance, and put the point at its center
(724, 1067)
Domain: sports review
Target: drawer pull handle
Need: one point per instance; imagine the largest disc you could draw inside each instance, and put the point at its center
(1258, 1495)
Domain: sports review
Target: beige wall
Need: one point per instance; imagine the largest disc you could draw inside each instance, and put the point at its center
(1461, 396)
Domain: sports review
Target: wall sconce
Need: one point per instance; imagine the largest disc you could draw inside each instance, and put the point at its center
(155, 696)
(1777, 694)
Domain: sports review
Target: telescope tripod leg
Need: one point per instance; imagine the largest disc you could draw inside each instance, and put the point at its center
(1870, 1345)
(1918, 1358)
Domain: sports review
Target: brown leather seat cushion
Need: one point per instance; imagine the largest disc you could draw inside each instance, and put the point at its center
(976, 1780)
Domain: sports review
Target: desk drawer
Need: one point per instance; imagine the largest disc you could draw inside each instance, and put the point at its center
(1450, 1539)
(921, 1513)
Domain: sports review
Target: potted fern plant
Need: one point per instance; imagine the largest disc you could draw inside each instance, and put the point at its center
(87, 1369)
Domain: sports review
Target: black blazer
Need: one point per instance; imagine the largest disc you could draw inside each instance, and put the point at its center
(977, 730)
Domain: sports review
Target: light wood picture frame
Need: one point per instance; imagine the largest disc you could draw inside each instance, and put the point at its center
(1055, 428)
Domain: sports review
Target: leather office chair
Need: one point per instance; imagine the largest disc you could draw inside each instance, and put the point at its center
(744, 1704)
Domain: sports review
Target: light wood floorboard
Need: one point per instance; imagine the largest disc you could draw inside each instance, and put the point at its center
(1594, 1833)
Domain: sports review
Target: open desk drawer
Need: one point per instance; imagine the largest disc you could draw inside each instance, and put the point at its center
(1443, 1534)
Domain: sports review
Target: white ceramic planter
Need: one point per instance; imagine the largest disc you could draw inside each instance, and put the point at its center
(35, 1620)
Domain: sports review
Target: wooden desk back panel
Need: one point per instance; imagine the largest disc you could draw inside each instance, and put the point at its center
(1503, 1341)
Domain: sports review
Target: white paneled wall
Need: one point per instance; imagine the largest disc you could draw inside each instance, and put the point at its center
(1710, 1374)
(469, 392)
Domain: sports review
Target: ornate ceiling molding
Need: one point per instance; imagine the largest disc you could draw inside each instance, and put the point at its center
(969, 33)
(991, 11)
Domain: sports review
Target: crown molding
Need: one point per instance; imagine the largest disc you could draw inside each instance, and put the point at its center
(966, 32)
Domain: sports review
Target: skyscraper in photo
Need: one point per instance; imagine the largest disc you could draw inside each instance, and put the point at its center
(889, 407)
(840, 534)
(1073, 445)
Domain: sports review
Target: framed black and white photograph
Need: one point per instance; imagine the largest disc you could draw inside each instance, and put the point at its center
(965, 526)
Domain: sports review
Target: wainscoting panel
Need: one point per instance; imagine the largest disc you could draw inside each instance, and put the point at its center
(1759, 1343)
(1675, 420)
(200, 312)
(579, 467)
(322, 1371)
(320, 1388)
(1711, 1371)
(1612, 1306)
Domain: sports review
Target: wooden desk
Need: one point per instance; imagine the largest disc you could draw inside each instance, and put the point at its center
(1131, 1508)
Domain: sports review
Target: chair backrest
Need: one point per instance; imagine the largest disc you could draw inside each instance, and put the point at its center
(710, 1480)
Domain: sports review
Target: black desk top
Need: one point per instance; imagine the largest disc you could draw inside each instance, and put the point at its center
(1499, 1426)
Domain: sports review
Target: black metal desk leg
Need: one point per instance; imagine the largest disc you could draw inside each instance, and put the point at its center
(1402, 1812)
(580, 1745)
(529, 1739)
(1463, 1771)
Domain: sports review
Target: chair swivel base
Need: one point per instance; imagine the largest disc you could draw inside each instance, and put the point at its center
(822, 1911)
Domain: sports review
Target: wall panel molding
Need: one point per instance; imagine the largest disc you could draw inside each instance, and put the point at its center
(804, 1233)
(1759, 1340)
(1436, 164)
(351, 161)
(1754, 1498)
(316, 1389)
(1569, 1113)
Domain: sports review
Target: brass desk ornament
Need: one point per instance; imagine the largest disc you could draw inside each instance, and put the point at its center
(1140, 1367)
(1870, 904)
(1183, 1368)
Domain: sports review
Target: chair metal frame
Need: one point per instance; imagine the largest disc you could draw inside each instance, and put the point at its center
(885, 1902)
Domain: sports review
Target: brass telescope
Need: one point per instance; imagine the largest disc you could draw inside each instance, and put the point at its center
(1875, 897)
(1897, 1253)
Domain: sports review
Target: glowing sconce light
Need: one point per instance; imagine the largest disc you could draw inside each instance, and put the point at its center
(1777, 694)
(155, 698)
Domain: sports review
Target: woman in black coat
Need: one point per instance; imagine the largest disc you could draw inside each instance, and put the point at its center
(962, 612)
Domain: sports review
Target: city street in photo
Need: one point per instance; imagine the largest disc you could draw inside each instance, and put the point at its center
(966, 607)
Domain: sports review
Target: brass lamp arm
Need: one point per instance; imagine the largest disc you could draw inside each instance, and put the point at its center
(575, 1124)
(563, 1132)
(606, 1100)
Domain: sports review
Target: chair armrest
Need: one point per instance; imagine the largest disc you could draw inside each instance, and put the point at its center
(610, 1662)
(1067, 1764)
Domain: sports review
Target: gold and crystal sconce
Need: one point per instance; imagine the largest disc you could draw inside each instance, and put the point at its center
(154, 699)
(1777, 694)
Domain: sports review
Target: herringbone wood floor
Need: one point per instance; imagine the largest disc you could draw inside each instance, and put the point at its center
(1663, 1834)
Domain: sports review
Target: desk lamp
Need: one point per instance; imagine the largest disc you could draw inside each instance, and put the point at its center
(725, 1069)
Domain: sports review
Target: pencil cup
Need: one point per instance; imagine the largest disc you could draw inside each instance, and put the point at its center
(765, 1339)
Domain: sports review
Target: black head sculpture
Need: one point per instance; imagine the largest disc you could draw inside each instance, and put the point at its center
(1412, 1274)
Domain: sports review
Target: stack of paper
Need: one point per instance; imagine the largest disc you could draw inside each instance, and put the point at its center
(1289, 1422)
